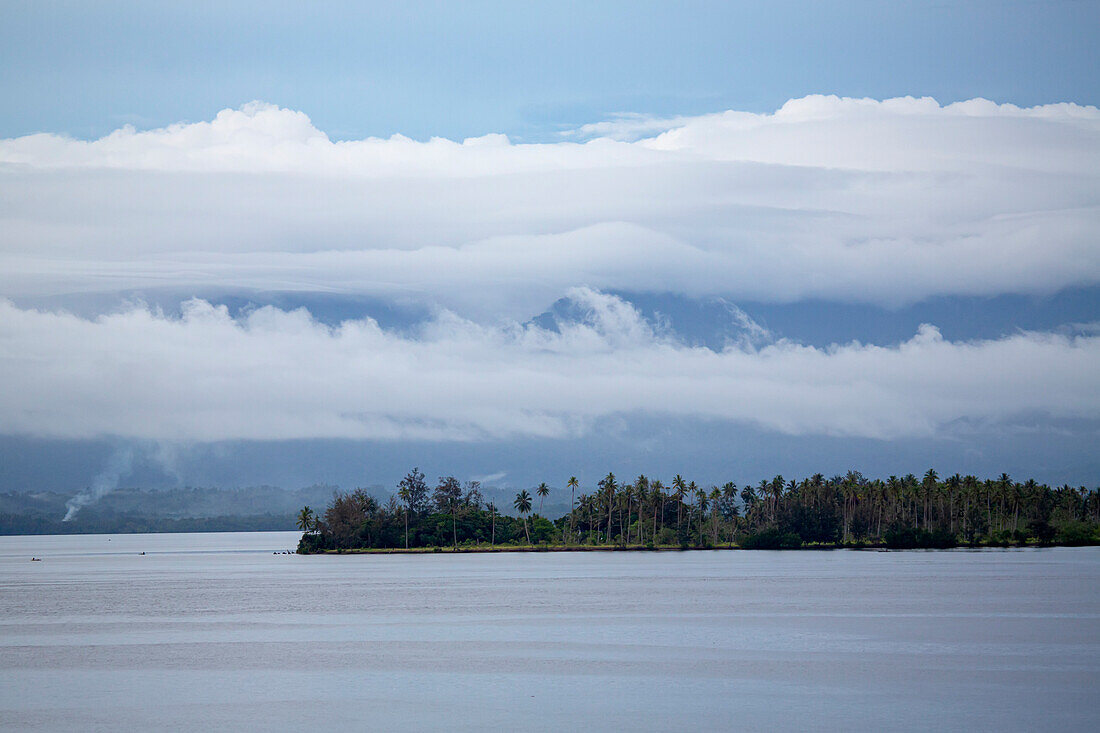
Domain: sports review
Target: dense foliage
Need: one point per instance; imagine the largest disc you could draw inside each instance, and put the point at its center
(449, 515)
(848, 510)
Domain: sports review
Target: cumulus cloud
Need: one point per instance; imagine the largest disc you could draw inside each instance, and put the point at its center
(273, 374)
(885, 202)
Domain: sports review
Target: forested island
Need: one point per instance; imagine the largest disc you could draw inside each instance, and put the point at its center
(816, 512)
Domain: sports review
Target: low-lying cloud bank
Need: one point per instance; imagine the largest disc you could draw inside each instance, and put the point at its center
(273, 374)
(886, 202)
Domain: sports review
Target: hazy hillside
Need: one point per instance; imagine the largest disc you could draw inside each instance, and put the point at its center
(170, 510)
(198, 509)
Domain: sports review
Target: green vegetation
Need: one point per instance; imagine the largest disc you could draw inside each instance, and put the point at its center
(843, 511)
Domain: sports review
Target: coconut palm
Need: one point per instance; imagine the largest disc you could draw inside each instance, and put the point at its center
(406, 498)
(658, 496)
(523, 506)
(680, 488)
(608, 483)
(543, 491)
(627, 498)
(1004, 485)
(305, 519)
(586, 505)
(715, 497)
(693, 494)
(729, 496)
(643, 500)
(572, 483)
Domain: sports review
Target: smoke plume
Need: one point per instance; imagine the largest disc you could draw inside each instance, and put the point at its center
(118, 465)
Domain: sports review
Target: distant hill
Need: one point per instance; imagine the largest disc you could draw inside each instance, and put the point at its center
(186, 509)
(200, 509)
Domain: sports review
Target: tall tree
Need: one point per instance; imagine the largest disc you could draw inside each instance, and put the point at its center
(658, 506)
(417, 490)
(928, 488)
(305, 519)
(572, 483)
(694, 494)
(715, 497)
(543, 491)
(607, 483)
(447, 495)
(680, 487)
(523, 506)
(406, 501)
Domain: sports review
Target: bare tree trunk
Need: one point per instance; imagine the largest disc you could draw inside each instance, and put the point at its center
(571, 502)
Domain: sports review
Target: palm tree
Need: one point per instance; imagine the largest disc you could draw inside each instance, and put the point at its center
(729, 493)
(658, 496)
(715, 496)
(1028, 491)
(693, 494)
(1004, 483)
(680, 487)
(609, 484)
(305, 519)
(523, 506)
(628, 498)
(543, 491)
(928, 485)
(953, 485)
(572, 483)
(587, 507)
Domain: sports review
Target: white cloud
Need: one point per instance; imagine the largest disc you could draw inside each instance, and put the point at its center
(855, 200)
(281, 375)
(850, 200)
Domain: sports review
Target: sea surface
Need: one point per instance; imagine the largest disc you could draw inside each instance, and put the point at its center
(214, 631)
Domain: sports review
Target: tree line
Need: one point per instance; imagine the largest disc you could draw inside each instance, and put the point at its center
(847, 511)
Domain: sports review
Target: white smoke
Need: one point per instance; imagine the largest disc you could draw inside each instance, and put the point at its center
(118, 465)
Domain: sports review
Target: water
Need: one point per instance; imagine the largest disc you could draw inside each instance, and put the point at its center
(214, 630)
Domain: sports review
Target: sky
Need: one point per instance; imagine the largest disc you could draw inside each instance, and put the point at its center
(245, 244)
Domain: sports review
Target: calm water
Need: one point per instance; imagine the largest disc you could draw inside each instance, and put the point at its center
(215, 630)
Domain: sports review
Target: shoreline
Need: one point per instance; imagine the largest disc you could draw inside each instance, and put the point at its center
(662, 548)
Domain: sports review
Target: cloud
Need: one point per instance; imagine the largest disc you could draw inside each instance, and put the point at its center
(273, 374)
(855, 200)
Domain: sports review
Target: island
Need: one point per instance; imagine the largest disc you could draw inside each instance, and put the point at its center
(848, 511)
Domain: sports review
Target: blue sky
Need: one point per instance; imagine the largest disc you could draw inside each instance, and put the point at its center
(525, 69)
(727, 240)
